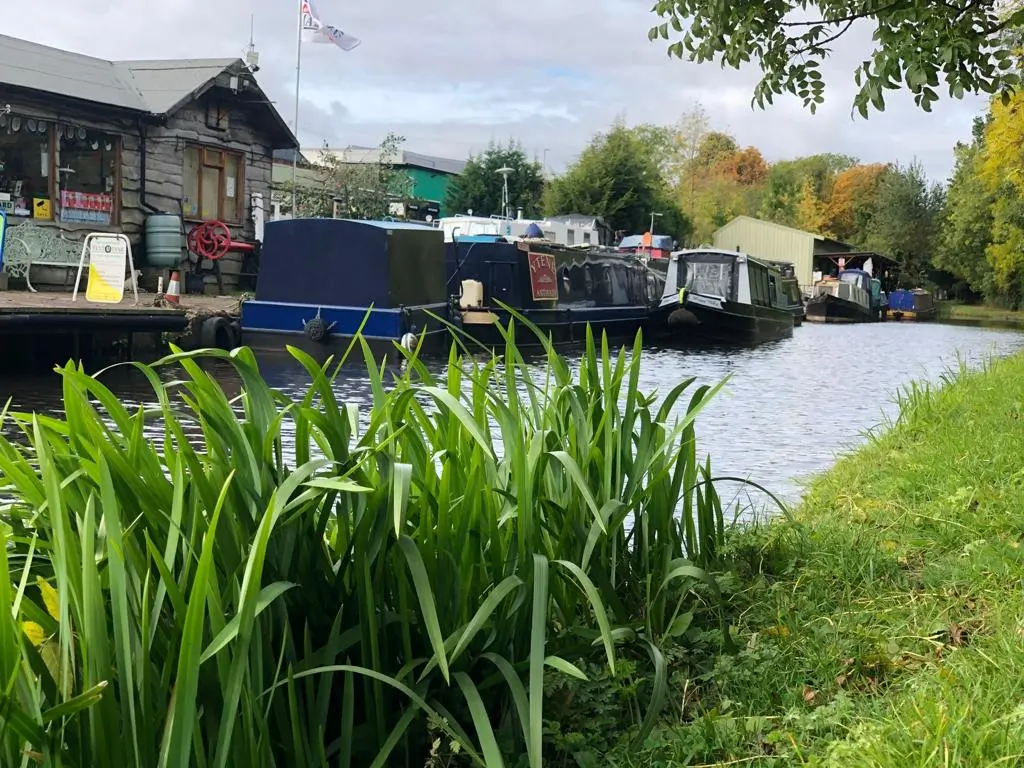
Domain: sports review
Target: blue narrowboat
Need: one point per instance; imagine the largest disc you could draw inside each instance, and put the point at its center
(319, 278)
(917, 304)
(560, 289)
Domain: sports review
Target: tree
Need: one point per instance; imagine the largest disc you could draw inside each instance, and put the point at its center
(1001, 173)
(904, 224)
(810, 213)
(745, 167)
(852, 202)
(965, 232)
(786, 180)
(357, 190)
(961, 42)
(479, 187)
(616, 178)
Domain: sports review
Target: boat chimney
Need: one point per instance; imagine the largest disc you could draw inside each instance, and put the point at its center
(519, 214)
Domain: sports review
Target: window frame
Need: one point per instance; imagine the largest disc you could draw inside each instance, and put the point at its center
(56, 187)
(224, 152)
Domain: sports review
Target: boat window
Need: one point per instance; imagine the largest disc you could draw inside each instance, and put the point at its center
(773, 294)
(709, 279)
(588, 281)
(566, 282)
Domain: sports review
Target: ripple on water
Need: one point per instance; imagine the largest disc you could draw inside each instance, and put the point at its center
(789, 409)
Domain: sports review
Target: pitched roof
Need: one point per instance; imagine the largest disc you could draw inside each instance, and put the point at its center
(41, 68)
(157, 87)
(166, 85)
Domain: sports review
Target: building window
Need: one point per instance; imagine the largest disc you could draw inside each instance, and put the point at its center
(213, 183)
(25, 167)
(88, 174)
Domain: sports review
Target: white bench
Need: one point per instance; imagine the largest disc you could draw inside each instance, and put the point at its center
(30, 244)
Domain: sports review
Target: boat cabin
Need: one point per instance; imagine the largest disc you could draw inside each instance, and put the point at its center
(556, 230)
(533, 274)
(337, 269)
(723, 275)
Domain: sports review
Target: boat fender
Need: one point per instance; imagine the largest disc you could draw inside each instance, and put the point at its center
(408, 341)
(216, 333)
(315, 329)
(236, 334)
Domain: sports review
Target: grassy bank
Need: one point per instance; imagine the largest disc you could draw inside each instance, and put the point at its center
(980, 314)
(884, 624)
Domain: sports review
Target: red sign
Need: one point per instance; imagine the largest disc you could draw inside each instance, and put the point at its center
(543, 281)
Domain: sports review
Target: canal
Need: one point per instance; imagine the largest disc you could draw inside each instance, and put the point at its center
(788, 410)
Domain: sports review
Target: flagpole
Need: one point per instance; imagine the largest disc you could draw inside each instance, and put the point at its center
(298, 76)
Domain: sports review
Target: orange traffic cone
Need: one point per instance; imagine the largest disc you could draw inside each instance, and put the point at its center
(173, 295)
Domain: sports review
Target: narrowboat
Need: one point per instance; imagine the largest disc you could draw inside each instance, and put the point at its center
(559, 289)
(319, 279)
(789, 292)
(723, 297)
(916, 304)
(852, 297)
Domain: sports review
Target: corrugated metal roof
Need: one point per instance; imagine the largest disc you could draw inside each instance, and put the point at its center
(356, 154)
(41, 68)
(165, 84)
(146, 86)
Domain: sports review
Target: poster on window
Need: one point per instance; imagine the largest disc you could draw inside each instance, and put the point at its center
(86, 207)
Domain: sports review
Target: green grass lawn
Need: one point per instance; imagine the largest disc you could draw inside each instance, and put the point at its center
(980, 314)
(885, 624)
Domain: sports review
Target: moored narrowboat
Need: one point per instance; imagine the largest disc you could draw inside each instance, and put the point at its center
(320, 279)
(722, 297)
(559, 289)
(852, 297)
(916, 304)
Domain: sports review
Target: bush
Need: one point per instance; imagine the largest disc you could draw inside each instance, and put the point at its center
(197, 599)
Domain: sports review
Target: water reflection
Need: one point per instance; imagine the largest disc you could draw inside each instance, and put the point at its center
(788, 409)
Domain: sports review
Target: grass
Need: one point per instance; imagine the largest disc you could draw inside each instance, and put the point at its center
(980, 314)
(413, 594)
(883, 625)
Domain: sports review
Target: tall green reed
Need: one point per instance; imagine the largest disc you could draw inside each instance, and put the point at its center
(176, 602)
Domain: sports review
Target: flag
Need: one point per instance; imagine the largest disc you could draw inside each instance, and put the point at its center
(329, 33)
(315, 31)
(311, 23)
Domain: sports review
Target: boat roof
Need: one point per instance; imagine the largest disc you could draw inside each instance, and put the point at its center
(391, 224)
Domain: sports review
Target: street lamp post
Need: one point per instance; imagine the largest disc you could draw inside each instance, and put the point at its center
(653, 216)
(505, 171)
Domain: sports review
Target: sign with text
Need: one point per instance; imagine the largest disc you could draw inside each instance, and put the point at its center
(108, 262)
(108, 256)
(543, 280)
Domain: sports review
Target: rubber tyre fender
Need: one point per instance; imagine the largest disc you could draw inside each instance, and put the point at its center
(236, 334)
(216, 333)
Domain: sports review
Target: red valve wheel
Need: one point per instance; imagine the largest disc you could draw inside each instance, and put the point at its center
(210, 240)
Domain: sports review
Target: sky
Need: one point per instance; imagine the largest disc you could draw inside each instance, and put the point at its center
(452, 77)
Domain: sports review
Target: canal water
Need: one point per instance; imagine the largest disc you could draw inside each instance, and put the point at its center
(788, 410)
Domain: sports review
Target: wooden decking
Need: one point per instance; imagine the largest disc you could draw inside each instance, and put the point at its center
(60, 303)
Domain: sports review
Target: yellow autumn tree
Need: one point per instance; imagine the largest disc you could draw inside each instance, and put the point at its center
(1001, 171)
(853, 196)
(811, 213)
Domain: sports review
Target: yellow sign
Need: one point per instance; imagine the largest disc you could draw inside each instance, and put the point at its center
(41, 208)
(108, 259)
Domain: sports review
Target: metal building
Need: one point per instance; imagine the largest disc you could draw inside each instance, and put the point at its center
(806, 251)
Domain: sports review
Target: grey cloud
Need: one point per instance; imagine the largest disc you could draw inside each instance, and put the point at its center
(494, 54)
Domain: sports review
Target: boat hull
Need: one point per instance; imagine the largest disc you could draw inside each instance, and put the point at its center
(830, 309)
(271, 326)
(563, 326)
(704, 320)
(912, 315)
